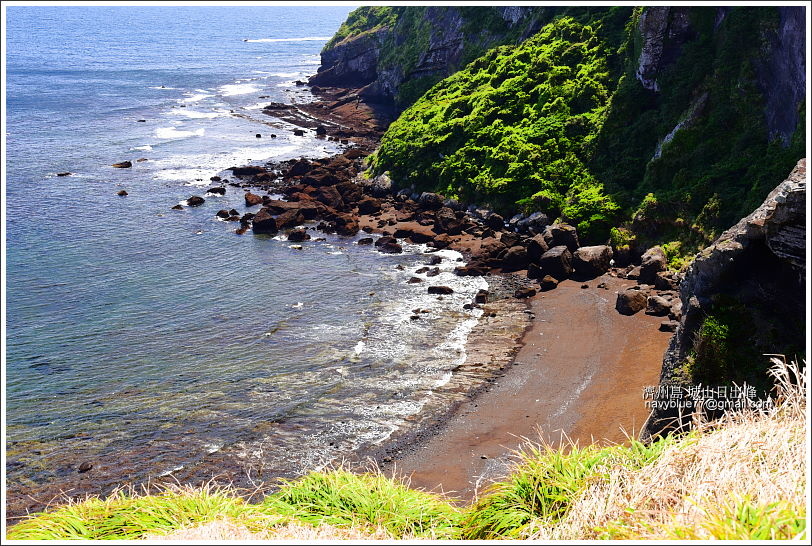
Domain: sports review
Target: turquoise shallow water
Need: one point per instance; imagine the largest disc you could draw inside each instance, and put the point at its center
(147, 339)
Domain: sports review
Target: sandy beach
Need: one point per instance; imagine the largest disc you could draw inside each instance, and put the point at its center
(580, 371)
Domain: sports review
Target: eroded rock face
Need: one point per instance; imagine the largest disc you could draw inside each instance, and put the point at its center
(664, 31)
(353, 62)
(758, 266)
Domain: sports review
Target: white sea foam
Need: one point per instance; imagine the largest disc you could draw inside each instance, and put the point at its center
(198, 115)
(145, 148)
(275, 40)
(161, 87)
(359, 347)
(197, 97)
(238, 89)
(173, 132)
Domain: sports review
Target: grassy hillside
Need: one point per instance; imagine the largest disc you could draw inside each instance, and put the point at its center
(559, 123)
(675, 488)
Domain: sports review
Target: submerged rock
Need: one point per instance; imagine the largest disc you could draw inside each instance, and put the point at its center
(123, 165)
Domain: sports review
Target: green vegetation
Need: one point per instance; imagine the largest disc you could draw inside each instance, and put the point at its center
(514, 128)
(674, 488)
(362, 20)
(559, 123)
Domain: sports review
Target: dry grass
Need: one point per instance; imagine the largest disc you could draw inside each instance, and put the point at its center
(744, 476)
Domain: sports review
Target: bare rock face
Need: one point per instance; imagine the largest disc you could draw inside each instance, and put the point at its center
(664, 31)
(757, 267)
(353, 62)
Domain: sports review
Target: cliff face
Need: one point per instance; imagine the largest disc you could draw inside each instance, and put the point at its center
(415, 47)
(743, 296)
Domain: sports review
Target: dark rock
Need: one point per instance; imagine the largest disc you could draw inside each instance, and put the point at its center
(122, 193)
(515, 259)
(195, 201)
(668, 326)
(435, 260)
(433, 272)
(252, 199)
(321, 130)
(524, 292)
(300, 167)
(430, 201)
(536, 247)
(534, 271)
(63, 174)
(652, 262)
(85, 466)
(414, 280)
(298, 235)
(443, 290)
(630, 301)
(365, 241)
(561, 234)
(657, 306)
(388, 245)
(331, 197)
(248, 170)
(592, 261)
(233, 212)
(473, 269)
(215, 179)
(548, 283)
(123, 165)
(222, 213)
(665, 281)
(177, 207)
(247, 218)
(264, 222)
(298, 132)
(557, 262)
(481, 296)
(259, 135)
(220, 190)
(495, 221)
(509, 238)
(368, 205)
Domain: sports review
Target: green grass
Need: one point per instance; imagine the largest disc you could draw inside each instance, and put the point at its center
(341, 498)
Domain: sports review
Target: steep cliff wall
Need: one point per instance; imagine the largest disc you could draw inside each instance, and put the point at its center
(396, 53)
(742, 297)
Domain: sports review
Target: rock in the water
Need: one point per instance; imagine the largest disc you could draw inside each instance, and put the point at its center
(652, 262)
(252, 199)
(298, 132)
(63, 174)
(195, 201)
(321, 130)
(657, 306)
(222, 213)
(264, 222)
(548, 283)
(557, 262)
(630, 301)
(122, 193)
(592, 261)
(298, 235)
(414, 280)
(443, 290)
(481, 296)
(220, 190)
(177, 207)
(123, 165)
(388, 245)
(365, 241)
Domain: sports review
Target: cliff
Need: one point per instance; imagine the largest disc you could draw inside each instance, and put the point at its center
(742, 297)
(394, 54)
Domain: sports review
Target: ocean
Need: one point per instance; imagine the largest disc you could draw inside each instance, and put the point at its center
(148, 341)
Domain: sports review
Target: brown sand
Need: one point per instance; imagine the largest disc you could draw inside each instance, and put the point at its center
(581, 371)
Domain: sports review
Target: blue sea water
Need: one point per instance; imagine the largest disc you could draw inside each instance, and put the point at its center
(146, 340)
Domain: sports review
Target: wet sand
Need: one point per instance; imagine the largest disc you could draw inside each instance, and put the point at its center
(581, 371)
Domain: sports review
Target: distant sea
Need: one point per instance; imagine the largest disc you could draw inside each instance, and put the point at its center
(146, 340)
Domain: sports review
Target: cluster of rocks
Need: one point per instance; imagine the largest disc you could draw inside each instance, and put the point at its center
(656, 291)
(332, 193)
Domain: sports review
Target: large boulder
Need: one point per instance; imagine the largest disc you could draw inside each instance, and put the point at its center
(562, 234)
(264, 222)
(388, 245)
(536, 247)
(631, 301)
(592, 261)
(515, 259)
(657, 306)
(652, 262)
(252, 199)
(557, 262)
(368, 205)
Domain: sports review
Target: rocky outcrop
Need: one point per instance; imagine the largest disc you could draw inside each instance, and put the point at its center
(758, 268)
(352, 62)
(664, 31)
